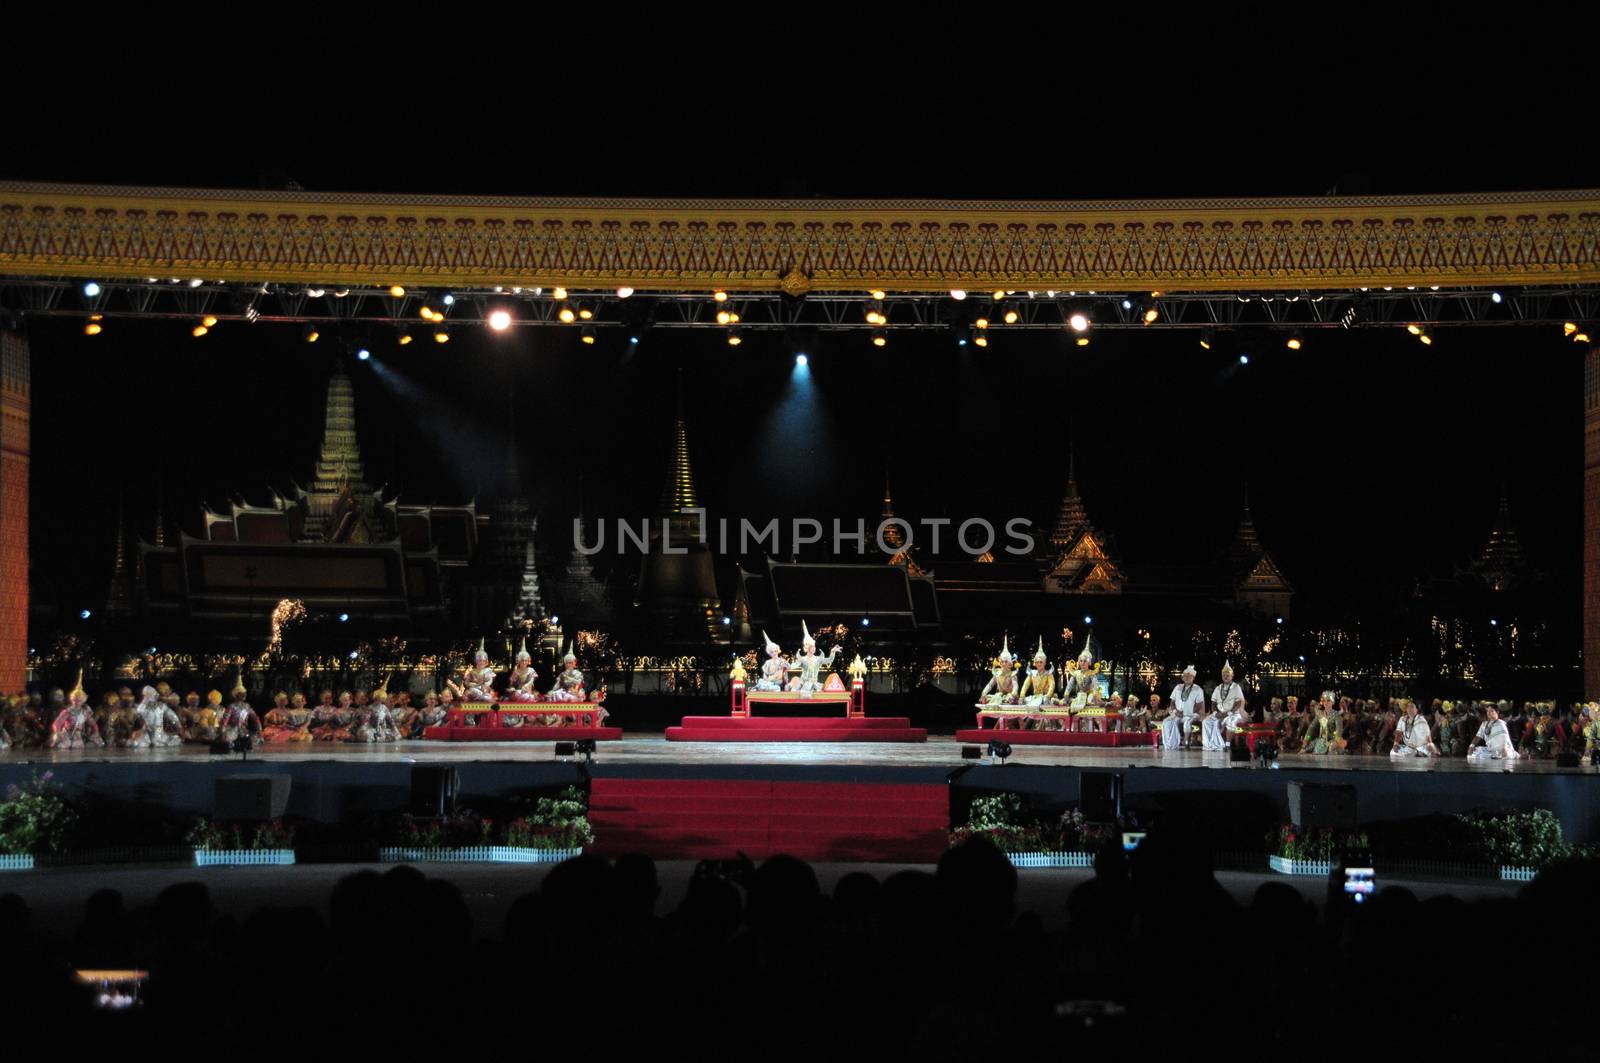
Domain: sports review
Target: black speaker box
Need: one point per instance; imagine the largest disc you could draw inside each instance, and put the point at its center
(1317, 805)
(252, 797)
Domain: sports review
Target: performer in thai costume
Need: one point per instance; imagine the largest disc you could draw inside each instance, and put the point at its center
(159, 727)
(297, 723)
(1411, 735)
(376, 724)
(342, 721)
(241, 721)
(1293, 728)
(520, 686)
(74, 726)
(1232, 722)
(322, 715)
(809, 664)
(405, 715)
(1493, 740)
(1538, 735)
(1225, 698)
(1322, 732)
(276, 721)
(477, 680)
(1589, 729)
(1136, 717)
(774, 670)
(1001, 690)
(1039, 685)
(1081, 677)
(432, 714)
(205, 723)
(1187, 698)
(569, 683)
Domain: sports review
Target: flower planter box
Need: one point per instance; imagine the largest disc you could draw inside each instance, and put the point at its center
(1517, 874)
(1285, 866)
(17, 862)
(242, 857)
(477, 854)
(1051, 859)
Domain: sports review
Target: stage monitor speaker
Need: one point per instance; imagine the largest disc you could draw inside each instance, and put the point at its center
(1100, 796)
(1238, 752)
(251, 797)
(1568, 760)
(1316, 805)
(433, 790)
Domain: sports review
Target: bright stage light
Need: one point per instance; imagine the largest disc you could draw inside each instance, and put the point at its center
(879, 294)
(720, 296)
(1083, 341)
(93, 327)
(344, 618)
(198, 331)
(1415, 330)
(84, 615)
(1244, 359)
(426, 312)
(1151, 314)
(499, 320)
(1079, 322)
(1127, 304)
(588, 335)
(559, 293)
(879, 338)
(958, 294)
(801, 360)
(397, 291)
(1206, 339)
(91, 289)
(440, 335)
(405, 337)
(982, 322)
(310, 334)
(727, 621)
(999, 295)
(1011, 315)
(448, 299)
(734, 339)
(981, 339)
(1497, 297)
(1088, 619)
(196, 282)
(1294, 342)
(633, 339)
(363, 354)
(866, 621)
(624, 292)
(209, 321)
(567, 315)
(316, 293)
(585, 312)
(1568, 328)
(1427, 340)
(724, 317)
(1580, 337)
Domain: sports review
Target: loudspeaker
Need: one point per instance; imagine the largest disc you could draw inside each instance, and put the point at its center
(251, 797)
(1317, 805)
(433, 790)
(1238, 751)
(1100, 796)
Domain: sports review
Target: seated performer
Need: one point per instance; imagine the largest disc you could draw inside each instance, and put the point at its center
(1493, 740)
(1136, 717)
(74, 726)
(809, 664)
(405, 715)
(1001, 690)
(277, 718)
(1080, 678)
(1411, 735)
(1187, 697)
(569, 683)
(520, 683)
(774, 670)
(1225, 699)
(477, 679)
(158, 726)
(432, 714)
(1538, 735)
(296, 723)
(1322, 732)
(205, 723)
(1588, 728)
(1039, 686)
(241, 721)
(377, 722)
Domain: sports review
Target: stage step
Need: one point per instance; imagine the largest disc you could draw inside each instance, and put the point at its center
(1102, 739)
(799, 723)
(796, 729)
(707, 818)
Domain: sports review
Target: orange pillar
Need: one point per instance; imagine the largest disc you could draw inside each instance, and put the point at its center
(14, 448)
(1591, 523)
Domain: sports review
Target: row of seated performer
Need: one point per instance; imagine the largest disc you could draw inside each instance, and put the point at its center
(1037, 702)
(518, 705)
(159, 720)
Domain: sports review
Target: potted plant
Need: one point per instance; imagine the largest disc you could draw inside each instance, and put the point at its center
(34, 819)
(234, 844)
(1517, 844)
(1013, 829)
(1311, 851)
(552, 830)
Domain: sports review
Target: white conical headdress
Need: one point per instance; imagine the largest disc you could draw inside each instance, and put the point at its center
(1088, 640)
(805, 634)
(523, 654)
(1039, 654)
(480, 654)
(1005, 648)
(1191, 669)
(569, 655)
(772, 647)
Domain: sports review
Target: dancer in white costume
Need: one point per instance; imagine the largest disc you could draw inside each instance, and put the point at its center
(809, 663)
(774, 670)
(1493, 740)
(1225, 699)
(1411, 735)
(1187, 697)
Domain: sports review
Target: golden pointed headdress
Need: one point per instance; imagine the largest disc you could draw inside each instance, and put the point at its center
(383, 688)
(77, 688)
(238, 682)
(1226, 667)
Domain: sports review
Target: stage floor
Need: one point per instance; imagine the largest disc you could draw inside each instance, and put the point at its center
(653, 749)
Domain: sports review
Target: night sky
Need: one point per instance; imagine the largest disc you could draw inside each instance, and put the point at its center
(1371, 460)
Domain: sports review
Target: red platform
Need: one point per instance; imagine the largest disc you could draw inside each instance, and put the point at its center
(796, 729)
(522, 734)
(698, 819)
(1018, 737)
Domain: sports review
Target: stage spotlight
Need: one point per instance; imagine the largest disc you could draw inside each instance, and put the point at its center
(1415, 330)
(866, 621)
(363, 355)
(875, 314)
(1083, 341)
(209, 321)
(558, 293)
(195, 282)
(1568, 328)
(1127, 304)
(1496, 297)
(720, 296)
(447, 299)
(624, 292)
(958, 294)
(1011, 316)
(1427, 340)
(84, 615)
(801, 360)
(198, 331)
(441, 335)
(734, 339)
(344, 618)
(499, 320)
(426, 312)
(724, 317)
(1151, 314)
(310, 334)
(588, 335)
(981, 321)
(998, 295)
(965, 337)
(879, 294)
(567, 316)
(1580, 337)
(93, 326)
(633, 339)
(316, 293)
(727, 621)
(1207, 338)
(879, 337)
(405, 337)
(397, 291)
(1294, 342)
(91, 289)
(982, 339)
(585, 312)
(1079, 322)
(1244, 359)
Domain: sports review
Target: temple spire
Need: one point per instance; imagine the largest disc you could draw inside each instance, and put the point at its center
(119, 597)
(1073, 516)
(339, 464)
(1502, 564)
(678, 494)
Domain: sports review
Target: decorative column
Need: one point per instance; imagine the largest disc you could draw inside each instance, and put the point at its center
(14, 448)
